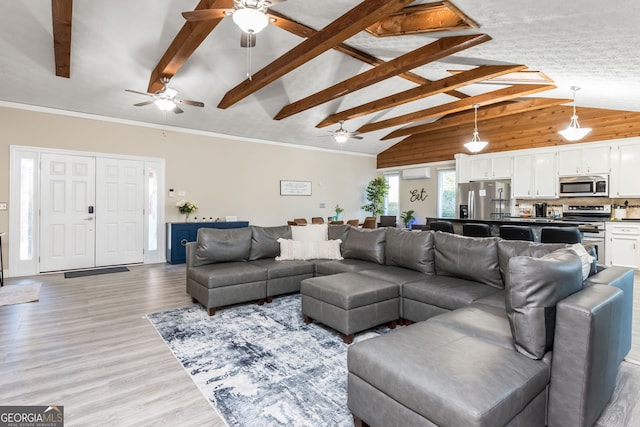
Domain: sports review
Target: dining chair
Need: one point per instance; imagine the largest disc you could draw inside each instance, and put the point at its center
(476, 230)
(388, 221)
(354, 222)
(336, 223)
(369, 222)
(560, 235)
(300, 221)
(444, 226)
(516, 232)
(292, 223)
(317, 220)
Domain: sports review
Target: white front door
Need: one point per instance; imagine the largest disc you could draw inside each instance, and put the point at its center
(119, 211)
(67, 239)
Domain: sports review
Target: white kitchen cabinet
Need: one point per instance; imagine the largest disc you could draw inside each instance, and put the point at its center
(622, 244)
(487, 167)
(585, 161)
(463, 168)
(535, 176)
(625, 173)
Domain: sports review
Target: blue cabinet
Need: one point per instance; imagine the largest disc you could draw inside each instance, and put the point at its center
(179, 233)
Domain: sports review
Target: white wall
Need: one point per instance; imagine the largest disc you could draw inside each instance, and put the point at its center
(223, 176)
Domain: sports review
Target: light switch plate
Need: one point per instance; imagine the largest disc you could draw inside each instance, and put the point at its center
(3, 206)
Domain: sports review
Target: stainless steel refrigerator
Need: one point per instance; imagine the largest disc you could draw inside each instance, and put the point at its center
(484, 199)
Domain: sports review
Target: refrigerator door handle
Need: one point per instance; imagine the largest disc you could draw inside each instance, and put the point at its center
(471, 204)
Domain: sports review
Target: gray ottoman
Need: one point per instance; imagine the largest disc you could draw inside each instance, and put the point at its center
(350, 302)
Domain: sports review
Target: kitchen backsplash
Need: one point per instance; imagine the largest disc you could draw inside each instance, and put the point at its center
(555, 205)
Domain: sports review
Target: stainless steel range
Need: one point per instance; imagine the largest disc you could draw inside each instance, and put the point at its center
(591, 219)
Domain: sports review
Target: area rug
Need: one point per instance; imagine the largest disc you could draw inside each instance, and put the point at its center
(262, 365)
(18, 294)
(94, 272)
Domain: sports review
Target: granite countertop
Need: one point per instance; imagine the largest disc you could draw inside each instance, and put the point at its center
(515, 220)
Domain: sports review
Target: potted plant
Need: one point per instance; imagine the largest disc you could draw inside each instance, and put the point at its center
(408, 218)
(376, 192)
(339, 211)
(186, 208)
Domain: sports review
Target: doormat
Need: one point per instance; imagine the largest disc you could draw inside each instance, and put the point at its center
(18, 294)
(94, 272)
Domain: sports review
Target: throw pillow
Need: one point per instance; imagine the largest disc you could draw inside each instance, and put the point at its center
(310, 232)
(214, 245)
(264, 241)
(410, 250)
(365, 244)
(585, 258)
(296, 250)
(533, 288)
(470, 258)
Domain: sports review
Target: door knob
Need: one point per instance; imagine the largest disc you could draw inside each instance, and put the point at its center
(89, 219)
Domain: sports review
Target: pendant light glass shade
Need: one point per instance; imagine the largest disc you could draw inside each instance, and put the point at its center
(475, 145)
(250, 20)
(165, 104)
(574, 132)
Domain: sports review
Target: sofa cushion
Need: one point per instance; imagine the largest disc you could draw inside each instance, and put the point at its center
(338, 231)
(303, 250)
(215, 245)
(278, 269)
(410, 250)
(448, 377)
(310, 232)
(446, 292)
(534, 286)
(334, 267)
(227, 274)
(471, 258)
(366, 244)
(507, 249)
(393, 274)
(264, 241)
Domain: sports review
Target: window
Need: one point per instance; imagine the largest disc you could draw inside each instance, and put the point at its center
(447, 193)
(392, 201)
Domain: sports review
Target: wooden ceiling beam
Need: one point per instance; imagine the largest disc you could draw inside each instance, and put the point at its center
(304, 31)
(460, 105)
(423, 55)
(349, 24)
(430, 89)
(495, 111)
(62, 12)
(190, 36)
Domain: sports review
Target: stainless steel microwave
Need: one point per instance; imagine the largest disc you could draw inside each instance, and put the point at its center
(584, 186)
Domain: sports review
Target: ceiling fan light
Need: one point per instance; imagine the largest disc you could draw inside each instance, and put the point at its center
(165, 104)
(250, 20)
(341, 137)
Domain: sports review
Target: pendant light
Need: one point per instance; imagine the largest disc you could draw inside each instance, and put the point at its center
(574, 132)
(475, 145)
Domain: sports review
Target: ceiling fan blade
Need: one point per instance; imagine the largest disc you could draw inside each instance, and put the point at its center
(206, 14)
(247, 39)
(356, 137)
(274, 2)
(178, 110)
(142, 104)
(187, 102)
(139, 93)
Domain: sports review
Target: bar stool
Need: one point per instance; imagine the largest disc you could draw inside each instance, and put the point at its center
(476, 230)
(560, 235)
(445, 226)
(516, 232)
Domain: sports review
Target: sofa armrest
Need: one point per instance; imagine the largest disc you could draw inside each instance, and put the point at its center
(191, 253)
(621, 278)
(585, 356)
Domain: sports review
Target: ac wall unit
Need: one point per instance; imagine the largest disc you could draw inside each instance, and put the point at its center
(417, 173)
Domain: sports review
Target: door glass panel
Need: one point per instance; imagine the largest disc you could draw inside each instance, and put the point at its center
(152, 209)
(26, 209)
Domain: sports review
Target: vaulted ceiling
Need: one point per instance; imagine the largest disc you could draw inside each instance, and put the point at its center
(405, 74)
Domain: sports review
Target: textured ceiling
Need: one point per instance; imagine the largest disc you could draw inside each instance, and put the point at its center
(116, 45)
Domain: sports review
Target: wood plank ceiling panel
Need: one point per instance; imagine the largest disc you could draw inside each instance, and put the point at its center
(61, 12)
(352, 22)
(423, 55)
(436, 87)
(532, 129)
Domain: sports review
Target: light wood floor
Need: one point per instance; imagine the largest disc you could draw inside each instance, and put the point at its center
(87, 346)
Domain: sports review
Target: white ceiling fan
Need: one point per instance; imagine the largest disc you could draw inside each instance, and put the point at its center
(165, 99)
(341, 135)
(249, 15)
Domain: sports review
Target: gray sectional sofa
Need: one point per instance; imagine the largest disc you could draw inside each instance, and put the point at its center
(505, 332)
